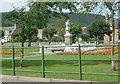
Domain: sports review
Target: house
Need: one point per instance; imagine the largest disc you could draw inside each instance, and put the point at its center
(10, 32)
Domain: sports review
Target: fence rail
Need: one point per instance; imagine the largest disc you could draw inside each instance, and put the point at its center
(44, 71)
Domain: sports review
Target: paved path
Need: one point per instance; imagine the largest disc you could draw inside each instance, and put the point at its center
(6, 78)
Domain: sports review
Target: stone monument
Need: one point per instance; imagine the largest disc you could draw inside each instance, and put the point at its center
(68, 35)
(40, 33)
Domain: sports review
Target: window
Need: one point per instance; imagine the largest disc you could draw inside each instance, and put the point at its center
(10, 31)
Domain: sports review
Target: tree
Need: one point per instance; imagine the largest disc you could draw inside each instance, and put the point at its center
(60, 26)
(19, 16)
(24, 20)
(49, 32)
(112, 7)
(97, 30)
(75, 30)
(41, 14)
(44, 10)
(6, 20)
(29, 33)
(85, 37)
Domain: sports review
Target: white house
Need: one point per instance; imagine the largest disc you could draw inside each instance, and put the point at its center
(9, 32)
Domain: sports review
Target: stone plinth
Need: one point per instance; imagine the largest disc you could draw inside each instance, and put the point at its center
(68, 39)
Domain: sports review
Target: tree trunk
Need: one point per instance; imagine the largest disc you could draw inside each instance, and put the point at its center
(29, 43)
(97, 40)
(49, 41)
(112, 58)
(21, 61)
(113, 39)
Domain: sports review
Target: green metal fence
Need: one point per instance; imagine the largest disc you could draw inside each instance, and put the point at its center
(43, 71)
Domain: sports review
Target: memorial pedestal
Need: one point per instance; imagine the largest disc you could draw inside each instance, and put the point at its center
(68, 39)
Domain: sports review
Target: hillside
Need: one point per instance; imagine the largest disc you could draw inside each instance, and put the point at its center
(83, 20)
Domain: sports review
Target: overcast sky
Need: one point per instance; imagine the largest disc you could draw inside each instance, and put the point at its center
(7, 5)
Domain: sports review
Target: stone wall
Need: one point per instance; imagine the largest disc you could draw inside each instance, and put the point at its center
(32, 44)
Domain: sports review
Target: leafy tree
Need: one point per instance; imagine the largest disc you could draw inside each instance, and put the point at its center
(85, 37)
(60, 26)
(49, 32)
(6, 20)
(97, 30)
(41, 14)
(44, 10)
(75, 31)
(34, 38)
(29, 33)
(24, 20)
(19, 16)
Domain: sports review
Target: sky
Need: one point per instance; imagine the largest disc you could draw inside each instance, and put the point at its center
(7, 5)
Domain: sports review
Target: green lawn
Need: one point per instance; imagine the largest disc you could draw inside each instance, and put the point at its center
(64, 63)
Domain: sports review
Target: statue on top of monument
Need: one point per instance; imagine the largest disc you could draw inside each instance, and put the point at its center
(67, 25)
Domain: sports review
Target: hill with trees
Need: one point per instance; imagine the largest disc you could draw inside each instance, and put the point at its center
(83, 20)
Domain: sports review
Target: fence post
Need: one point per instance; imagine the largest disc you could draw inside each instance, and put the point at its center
(13, 60)
(43, 65)
(80, 63)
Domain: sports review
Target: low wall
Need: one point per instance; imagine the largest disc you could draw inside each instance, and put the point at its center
(32, 43)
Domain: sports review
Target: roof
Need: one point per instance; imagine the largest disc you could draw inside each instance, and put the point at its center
(84, 30)
(15, 29)
(7, 28)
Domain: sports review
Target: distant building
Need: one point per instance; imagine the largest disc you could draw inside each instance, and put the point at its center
(109, 39)
(10, 32)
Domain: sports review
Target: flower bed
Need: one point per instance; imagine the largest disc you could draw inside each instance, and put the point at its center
(92, 52)
(9, 52)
